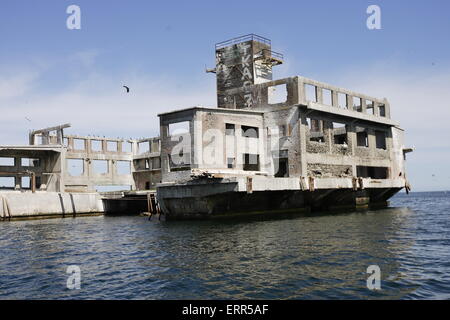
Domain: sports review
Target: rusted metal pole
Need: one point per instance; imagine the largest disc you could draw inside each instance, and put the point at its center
(33, 182)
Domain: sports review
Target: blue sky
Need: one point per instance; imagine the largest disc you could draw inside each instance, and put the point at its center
(50, 74)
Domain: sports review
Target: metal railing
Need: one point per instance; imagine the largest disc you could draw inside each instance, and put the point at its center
(247, 37)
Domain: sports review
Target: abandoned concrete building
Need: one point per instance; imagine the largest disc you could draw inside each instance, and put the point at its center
(284, 145)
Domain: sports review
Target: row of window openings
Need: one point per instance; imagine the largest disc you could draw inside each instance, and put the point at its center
(246, 131)
(311, 95)
(340, 134)
(113, 146)
(24, 162)
(75, 167)
(24, 182)
(148, 164)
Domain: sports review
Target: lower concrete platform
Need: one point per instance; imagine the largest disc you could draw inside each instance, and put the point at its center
(219, 199)
(26, 205)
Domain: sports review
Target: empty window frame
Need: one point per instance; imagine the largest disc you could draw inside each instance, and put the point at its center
(75, 167)
(179, 128)
(339, 133)
(79, 144)
(123, 167)
(97, 145)
(310, 92)
(327, 97)
(382, 109)
(362, 137)
(229, 129)
(251, 162)
(250, 132)
(342, 100)
(315, 130)
(380, 138)
(277, 94)
(30, 162)
(7, 182)
(230, 163)
(372, 172)
(100, 166)
(357, 104)
(112, 146)
(127, 146)
(7, 162)
(370, 107)
(25, 183)
(144, 146)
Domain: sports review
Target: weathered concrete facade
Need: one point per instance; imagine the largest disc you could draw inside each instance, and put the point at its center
(318, 147)
(271, 145)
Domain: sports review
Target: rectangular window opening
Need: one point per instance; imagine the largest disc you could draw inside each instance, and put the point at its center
(362, 137)
(372, 172)
(357, 104)
(30, 162)
(144, 147)
(250, 132)
(327, 97)
(7, 182)
(315, 127)
(310, 92)
(75, 167)
(229, 129)
(111, 146)
(342, 100)
(277, 94)
(100, 166)
(179, 128)
(7, 162)
(96, 145)
(251, 162)
(123, 167)
(339, 133)
(78, 144)
(380, 138)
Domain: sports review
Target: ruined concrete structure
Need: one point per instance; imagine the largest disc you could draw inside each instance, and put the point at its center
(314, 147)
(271, 146)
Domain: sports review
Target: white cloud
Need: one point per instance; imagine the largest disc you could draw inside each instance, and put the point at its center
(16, 85)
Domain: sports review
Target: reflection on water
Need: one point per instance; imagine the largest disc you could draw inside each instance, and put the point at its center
(300, 257)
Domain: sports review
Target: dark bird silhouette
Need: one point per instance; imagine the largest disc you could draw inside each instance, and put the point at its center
(126, 88)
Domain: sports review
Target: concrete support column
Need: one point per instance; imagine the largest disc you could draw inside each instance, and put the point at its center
(349, 102)
(319, 95)
(363, 106)
(302, 131)
(334, 99)
(301, 92)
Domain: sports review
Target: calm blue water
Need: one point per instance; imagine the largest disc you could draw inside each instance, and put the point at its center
(302, 257)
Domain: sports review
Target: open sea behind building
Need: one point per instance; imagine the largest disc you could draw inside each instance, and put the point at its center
(294, 257)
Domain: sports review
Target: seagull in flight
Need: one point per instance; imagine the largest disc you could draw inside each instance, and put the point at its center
(128, 89)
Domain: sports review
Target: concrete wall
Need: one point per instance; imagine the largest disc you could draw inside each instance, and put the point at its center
(27, 204)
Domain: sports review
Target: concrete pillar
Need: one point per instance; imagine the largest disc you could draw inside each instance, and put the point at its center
(363, 106)
(334, 99)
(301, 91)
(349, 102)
(319, 95)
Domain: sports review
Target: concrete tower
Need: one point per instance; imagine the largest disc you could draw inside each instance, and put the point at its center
(241, 62)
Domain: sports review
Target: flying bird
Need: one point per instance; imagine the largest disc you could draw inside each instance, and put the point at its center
(126, 88)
